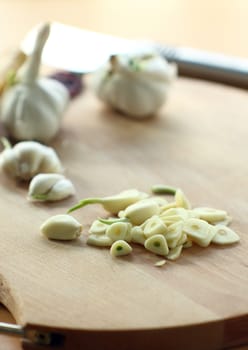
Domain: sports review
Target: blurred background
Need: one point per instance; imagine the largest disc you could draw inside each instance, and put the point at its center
(215, 25)
(220, 26)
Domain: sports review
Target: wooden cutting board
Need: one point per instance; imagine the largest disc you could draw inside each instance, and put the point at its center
(199, 143)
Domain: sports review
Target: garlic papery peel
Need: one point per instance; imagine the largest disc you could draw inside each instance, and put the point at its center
(136, 85)
(33, 108)
(115, 203)
(50, 187)
(29, 158)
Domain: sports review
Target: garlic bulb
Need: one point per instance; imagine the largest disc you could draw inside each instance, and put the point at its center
(28, 158)
(32, 109)
(50, 187)
(135, 85)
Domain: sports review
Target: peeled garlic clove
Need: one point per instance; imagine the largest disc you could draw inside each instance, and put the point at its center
(120, 248)
(174, 253)
(98, 228)
(118, 231)
(139, 212)
(181, 200)
(224, 235)
(61, 227)
(113, 204)
(153, 226)
(157, 244)
(198, 231)
(137, 235)
(99, 240)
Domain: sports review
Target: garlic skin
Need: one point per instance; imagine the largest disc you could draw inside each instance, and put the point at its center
(33, 108)
(50, 187)
(29, 158)
(136, 85)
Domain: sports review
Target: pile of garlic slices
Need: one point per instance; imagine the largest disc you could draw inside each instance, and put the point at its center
(163, 228)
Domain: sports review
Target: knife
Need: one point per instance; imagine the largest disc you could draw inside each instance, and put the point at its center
(83, 51)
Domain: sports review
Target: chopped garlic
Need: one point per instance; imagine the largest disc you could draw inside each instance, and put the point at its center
(120, 248)
(174, 253)
(157, 244)
(224, 235)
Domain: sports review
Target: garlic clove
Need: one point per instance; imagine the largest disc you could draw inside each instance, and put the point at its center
(50, 187)
(139, 212)
(29, 158)
(61, 227)
(113, 204)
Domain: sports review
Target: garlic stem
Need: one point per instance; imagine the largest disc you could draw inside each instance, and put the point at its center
(163, 189)
(33, 64)
(5, 142)
(111, 221)
(85, 202)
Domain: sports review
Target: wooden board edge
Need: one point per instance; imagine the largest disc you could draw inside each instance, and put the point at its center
(213, 335)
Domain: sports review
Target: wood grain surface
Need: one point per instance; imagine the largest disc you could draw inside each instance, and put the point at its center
(197, 142)
(216, 115)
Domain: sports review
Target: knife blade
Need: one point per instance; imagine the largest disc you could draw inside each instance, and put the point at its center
(83, 51)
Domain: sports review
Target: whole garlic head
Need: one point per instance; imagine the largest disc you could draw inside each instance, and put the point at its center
(137, 85)
(33, 108)
(28, 158)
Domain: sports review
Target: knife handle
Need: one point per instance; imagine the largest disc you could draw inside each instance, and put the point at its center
(208, 66)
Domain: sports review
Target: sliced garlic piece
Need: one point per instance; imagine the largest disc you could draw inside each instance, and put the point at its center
(154, 226)
(188, 244)
(210, 215)
(161, 201)
(157, 244)
(175, 253)
(160, 263)
(139, 212)
(118, 231)
(175, 211)
(174, 234)
(99, 240)
(224, 235)
(137, 235)
(98, 228)
(183, 239)
(198, 231)
(120, 248)
(224, 222)
(181, 200)
(168, 206)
